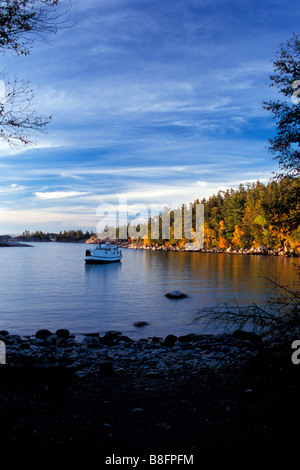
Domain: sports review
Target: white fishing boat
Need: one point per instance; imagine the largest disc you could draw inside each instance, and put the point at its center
(103, 253)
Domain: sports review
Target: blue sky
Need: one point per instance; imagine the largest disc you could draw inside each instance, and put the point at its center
(153, 102)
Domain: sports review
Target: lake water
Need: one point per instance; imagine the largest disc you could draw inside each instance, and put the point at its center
(50, 286)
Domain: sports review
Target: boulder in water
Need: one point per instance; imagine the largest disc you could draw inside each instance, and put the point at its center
(176, 294)
(140, 323)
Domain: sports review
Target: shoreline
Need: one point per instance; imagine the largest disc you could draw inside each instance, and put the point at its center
(252, 251)
(157, 395)
(151, 356)
(259, 250)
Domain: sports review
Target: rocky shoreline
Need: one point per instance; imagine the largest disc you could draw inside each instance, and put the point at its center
(171, 395)
(286, 250)
(116, 353)
(259, 250)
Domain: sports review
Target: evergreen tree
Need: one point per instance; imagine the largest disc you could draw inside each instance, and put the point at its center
(285, 146)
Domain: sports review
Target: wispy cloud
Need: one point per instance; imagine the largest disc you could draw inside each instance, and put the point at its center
(12, 188)
(58, 194)
(149, 101)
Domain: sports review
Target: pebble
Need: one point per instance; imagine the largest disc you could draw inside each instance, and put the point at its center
(112, 355)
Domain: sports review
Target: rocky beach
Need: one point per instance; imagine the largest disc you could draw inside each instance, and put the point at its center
(177, 395)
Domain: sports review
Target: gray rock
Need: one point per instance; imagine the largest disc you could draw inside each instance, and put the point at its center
(247, 336)
(140, 323)
(170, 340)
(176, 294)
(110, 338)
(43, 334)
(63, 333)
(4, 333)
(52, 340)
(12, 339)
(91, 341)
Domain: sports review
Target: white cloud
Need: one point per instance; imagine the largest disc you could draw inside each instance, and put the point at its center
(58, 194)
(36, 219)
(13, 188)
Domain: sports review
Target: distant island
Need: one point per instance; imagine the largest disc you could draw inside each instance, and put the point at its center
(71, 236)
(7, 241)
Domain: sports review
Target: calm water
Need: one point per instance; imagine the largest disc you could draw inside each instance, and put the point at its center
(50, 286)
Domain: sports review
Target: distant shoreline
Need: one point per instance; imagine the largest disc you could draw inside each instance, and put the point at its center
(8, 241)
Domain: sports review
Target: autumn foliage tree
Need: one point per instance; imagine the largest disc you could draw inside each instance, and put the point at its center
(262, 215)
(252, 215)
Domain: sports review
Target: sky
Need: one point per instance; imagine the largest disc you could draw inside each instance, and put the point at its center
(154, 103)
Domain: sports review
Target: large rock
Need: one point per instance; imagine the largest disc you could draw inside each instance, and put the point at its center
(176, 294)
(43, 334)
(63, 333)
(247, 336)
(4, 332)
(262, 250)
(140, 323)
(170, 340)
(110, 338)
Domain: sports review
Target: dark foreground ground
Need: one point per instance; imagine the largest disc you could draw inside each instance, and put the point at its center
(256, 407)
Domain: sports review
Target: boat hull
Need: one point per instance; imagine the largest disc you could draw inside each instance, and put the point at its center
(101, 261)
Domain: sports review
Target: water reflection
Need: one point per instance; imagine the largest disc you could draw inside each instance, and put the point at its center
(217, 277)
(51, 286)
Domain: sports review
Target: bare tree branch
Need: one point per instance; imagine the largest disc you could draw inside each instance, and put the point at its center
(18, 115)
(21, 23)
(277, 319)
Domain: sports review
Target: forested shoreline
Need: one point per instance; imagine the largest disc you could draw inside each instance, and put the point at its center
(252, 216)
